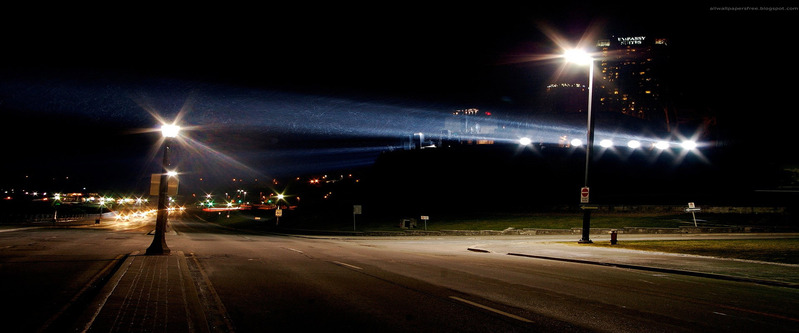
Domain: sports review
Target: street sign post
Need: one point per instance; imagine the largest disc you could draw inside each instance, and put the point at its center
(155, 183)
(425, 218)
(584, 195)
(356, 210)
(692, 208)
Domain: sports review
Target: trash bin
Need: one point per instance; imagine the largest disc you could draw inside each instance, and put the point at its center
(613, 237)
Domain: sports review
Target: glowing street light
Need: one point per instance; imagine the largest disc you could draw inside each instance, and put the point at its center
(688, 145)
(170, 131)
(634, 144)
(158, 245)
(525, 141)
(278, 211)
(581, 57)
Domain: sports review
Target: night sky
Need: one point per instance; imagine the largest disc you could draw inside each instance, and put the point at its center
(274, 90)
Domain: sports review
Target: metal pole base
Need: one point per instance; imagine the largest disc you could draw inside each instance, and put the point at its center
(586, 226)
(157, 248)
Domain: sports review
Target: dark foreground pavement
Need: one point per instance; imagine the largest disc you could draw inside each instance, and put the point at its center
(161, 293)
(148, 293)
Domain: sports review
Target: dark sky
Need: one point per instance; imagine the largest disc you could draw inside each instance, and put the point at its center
(256, 80)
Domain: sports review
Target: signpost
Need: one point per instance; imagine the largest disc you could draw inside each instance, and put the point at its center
(584, 195)
(155, 183)
(692, 208)
(356, 210)
(425, 218)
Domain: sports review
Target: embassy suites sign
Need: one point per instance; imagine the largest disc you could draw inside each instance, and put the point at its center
(637, 40)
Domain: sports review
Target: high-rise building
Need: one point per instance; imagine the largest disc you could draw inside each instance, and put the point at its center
(632, 78)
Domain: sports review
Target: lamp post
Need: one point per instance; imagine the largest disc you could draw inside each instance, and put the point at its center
(583, 58)
(158, 245)
(278, 211)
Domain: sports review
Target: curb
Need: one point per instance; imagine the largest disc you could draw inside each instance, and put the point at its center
(661, 270)
(194, 311)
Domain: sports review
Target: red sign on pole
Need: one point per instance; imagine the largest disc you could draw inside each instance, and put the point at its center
(584, 195)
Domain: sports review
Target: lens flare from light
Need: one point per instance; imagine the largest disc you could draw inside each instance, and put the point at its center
(170, 131)
(689, 145)
(577, 56)
(662, 145)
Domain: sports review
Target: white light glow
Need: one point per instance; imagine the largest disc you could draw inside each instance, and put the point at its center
(634, 144)
(170, 131)
(688, 145)
(525, 141)
(579, 57)
(576, 142)
(606, 143)
(662, 145)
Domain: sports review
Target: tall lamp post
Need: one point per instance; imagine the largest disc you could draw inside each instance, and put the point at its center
(582, 58)
(158, 245)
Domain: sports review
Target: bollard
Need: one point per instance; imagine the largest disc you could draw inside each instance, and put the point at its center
(613, 236)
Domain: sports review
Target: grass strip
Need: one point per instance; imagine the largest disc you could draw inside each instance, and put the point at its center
(783, 250)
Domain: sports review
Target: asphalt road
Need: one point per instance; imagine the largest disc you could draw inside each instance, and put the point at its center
(252, 283)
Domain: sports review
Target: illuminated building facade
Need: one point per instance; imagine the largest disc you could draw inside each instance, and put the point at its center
(632, 77)
(631, 80)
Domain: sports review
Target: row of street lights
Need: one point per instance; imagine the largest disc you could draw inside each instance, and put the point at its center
(632, 144)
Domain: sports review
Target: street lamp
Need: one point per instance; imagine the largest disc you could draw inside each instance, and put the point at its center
(278, 211)
(580, 57)
(158, 245)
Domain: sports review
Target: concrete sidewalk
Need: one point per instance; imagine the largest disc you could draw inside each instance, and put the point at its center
(768, 273)
(148, 293)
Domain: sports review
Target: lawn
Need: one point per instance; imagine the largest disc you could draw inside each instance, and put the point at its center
(783, 250)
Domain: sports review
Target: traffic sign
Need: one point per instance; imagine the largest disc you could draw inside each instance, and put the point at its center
(155, 183)
(584, 195)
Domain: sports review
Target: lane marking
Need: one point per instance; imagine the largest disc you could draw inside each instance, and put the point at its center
(492, 309)
(347, 265)
(295, 250)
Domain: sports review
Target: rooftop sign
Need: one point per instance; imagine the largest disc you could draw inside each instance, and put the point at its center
(638, 40)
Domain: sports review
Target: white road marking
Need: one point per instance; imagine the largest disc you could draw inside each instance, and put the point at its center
(491, 309)
(347, 265)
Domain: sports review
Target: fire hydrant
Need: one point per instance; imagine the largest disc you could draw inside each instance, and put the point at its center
(613, 236)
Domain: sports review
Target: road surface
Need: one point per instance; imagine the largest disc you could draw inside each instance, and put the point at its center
(255, 283)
